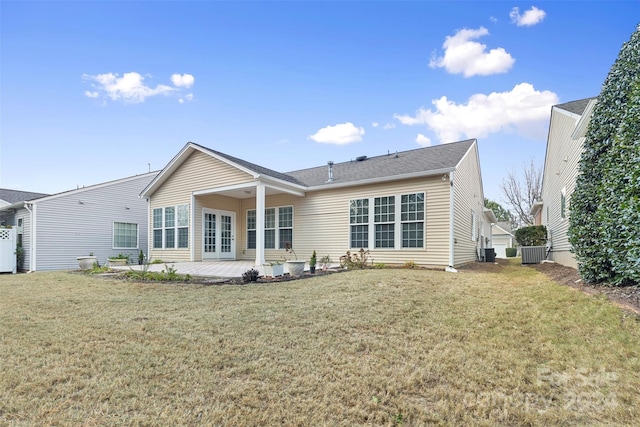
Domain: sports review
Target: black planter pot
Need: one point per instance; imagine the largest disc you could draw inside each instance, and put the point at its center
(312, 270)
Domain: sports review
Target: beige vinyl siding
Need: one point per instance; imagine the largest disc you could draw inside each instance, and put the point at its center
(321, 222)
(198, 172)
(560, 171)
(468, 198)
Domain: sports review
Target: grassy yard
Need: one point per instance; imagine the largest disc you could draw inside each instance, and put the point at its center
(375, 347)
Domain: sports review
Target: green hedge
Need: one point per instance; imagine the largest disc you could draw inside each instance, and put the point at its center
(535, 235)
(511, 252)
(605, 206)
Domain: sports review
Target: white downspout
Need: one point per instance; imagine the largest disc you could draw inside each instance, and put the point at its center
(450, 268)
(260, 203)
(32, 251)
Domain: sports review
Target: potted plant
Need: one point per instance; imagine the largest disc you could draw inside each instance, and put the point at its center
(87, 262)
(312, 263)
(273, 269)
(140, 257)
(325, 262)
(296, 268)
(120, 259)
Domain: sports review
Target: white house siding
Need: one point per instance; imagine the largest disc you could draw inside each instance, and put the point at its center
(321, 222)
(468, 198)
(561, 171)
(198, 172)
(26, 233)
(80, 221)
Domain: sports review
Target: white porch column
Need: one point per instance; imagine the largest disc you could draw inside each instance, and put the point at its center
(260, 224)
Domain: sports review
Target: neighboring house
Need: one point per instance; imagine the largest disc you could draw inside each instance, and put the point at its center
(422, 205)
(105, 219)
(502, 238)
(567, 128)
(9, 197)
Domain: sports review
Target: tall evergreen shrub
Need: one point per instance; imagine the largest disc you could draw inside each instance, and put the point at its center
(605, 206)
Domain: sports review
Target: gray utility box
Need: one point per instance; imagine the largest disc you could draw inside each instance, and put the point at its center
(533, 254)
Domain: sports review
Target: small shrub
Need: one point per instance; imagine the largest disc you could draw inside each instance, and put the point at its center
(250, 275)
(409, 264)
(157, 261)
(169, 274)
(120, 256)
(98, 269)
(355, 260)
(535, 235)
(379, 265)
(511, 252)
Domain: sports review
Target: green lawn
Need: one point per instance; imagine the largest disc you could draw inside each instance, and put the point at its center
(374, 347)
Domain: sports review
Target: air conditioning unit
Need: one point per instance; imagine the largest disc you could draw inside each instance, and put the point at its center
(533, 254)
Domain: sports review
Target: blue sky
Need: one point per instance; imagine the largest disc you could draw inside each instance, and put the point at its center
(95, 91)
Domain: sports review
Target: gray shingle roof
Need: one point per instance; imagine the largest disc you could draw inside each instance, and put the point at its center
(253, 167)
(443, 156)
(576, 107)
(14, 196)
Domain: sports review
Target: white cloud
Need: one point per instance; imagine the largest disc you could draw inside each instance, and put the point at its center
(531, 17)
(423, 140)
(129, 88)
(464, 56)
(188, 97)
(344, 133)
(493, 19)
(182, 80)
(375, 124)
(523, 110)
(89, 94)
(389, 126)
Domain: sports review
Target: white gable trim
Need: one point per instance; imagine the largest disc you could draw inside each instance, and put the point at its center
(179, 158)
(582, 125)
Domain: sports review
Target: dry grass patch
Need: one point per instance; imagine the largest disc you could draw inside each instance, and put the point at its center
(373, 347)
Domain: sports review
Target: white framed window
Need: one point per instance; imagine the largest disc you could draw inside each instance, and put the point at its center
(395, 222)
(359, 220)
(412, 219)
(278, 227)
(171, 227)
(285, 226)
(125, 235)
(384, 214)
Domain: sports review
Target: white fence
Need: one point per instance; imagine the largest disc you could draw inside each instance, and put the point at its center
(8, 243)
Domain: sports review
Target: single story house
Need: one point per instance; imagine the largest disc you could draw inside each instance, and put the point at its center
(503, 238)
(567, 129)
(103, 219)
(423, 205)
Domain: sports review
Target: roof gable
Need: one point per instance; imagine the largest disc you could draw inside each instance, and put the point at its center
(575, 107)
(422, 161)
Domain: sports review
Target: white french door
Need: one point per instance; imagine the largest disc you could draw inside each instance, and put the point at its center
(218, 234)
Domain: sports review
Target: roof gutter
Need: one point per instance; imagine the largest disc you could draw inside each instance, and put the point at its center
(336, 184)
